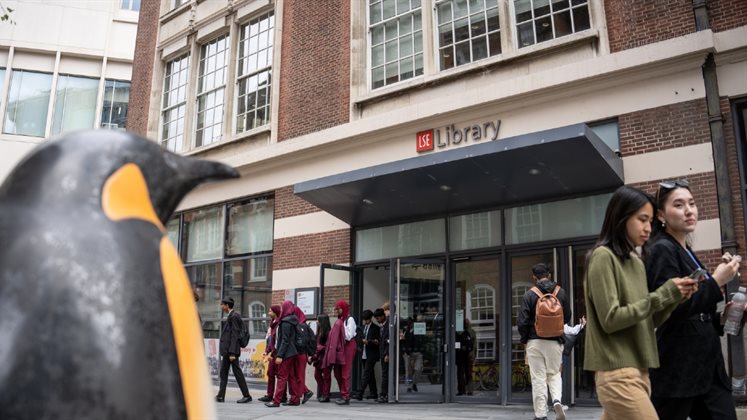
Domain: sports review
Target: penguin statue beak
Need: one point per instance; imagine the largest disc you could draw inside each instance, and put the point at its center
(189, 174)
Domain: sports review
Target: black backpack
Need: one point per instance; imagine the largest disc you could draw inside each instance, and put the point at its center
(305, 339)
(244, 336)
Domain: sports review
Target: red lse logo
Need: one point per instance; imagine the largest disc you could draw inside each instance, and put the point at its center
(424, 141)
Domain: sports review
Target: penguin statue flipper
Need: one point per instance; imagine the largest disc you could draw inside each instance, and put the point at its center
(95, 304)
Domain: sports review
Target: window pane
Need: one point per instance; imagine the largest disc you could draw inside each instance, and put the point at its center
(410, 239)
(28, 103)
(203, 237)
(581, 18)
(609, 133)
(543, 20)
(250, 227)
(174, 103)
(172, 230)
(477, 230)
(205, 279)
(116, 100)
(249, 283)
(538, 222)
(395, 42)
(467, 31)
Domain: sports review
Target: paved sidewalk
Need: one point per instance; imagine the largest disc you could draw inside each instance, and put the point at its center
(314, 410)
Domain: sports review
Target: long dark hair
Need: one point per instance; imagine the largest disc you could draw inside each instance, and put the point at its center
(623, 204)
(323, 327)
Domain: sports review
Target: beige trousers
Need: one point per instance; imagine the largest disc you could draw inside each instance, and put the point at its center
(544, 358)
(625, 394)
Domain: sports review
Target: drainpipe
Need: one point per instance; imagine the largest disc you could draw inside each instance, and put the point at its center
(736, 354)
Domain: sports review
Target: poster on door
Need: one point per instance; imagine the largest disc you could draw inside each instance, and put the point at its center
(251, 361)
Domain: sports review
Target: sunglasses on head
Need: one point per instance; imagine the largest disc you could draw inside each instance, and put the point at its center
(674, 184)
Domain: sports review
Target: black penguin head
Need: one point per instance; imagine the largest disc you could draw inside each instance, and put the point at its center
(74, 169)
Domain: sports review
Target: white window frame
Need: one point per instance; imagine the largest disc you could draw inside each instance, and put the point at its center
(129, 5)
(469, 40)
(256, 72)
(167, 107)
(216, 91)
(514, 24)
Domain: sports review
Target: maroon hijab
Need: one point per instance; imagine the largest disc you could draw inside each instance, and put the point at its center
(299, 314)
(345, 309)
(286, 308)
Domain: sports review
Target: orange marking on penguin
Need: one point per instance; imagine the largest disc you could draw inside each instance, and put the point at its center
(125, 196)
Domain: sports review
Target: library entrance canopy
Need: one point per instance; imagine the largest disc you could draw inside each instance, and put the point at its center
(554, 164)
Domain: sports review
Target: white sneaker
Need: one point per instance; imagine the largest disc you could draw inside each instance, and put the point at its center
(559, 410)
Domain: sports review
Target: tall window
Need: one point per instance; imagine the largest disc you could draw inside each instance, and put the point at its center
(542, 20)
(467, 31)
(239, 267)
(75, 103)
(116, 100)
(28, 103)
(211, 86)
(396, 41)
(174, 103)
(130, 5)
(255, 73)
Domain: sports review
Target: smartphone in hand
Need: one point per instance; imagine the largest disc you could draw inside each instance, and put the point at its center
(698, 275)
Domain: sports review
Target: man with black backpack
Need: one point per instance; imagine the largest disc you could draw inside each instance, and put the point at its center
(231, 335)
(544, 311)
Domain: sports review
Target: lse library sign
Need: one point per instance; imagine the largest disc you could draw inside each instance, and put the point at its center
(430, 139)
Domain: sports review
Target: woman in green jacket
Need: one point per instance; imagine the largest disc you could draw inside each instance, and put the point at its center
(622, 314)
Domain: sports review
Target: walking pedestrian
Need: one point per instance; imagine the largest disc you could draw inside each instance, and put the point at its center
(271, 352)
(369, 356)
(691, 381)
(286, 358)
(322, 374)
(621, 312)
(543, 337)
(230, 350)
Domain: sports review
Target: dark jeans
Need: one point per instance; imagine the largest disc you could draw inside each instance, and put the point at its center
(384, 379)
(717, 404)
(464, 373)
(369, 378)
(237, 373)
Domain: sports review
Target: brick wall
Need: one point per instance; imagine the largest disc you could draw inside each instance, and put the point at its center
(726, 14)
(315, 67)
(665, 127)
(332, 295)
(288, 204)
(310, 250)
(633, 23)
(142, 66)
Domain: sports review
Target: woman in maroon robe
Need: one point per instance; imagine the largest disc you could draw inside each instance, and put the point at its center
(341, 348)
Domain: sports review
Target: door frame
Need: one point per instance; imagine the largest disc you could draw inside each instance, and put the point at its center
(394, 327)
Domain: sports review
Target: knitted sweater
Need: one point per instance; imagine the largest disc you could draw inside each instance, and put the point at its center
(621, 313)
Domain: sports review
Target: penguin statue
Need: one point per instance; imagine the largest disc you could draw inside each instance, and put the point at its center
(97, 316)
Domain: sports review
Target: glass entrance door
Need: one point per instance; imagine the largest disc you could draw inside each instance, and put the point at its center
(477, 320)
(420, 325)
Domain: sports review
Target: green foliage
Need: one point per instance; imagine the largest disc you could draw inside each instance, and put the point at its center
(5, 15)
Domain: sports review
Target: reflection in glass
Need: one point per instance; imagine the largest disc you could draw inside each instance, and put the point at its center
(28, 103)
(476, 230)
(418, 238)
(203, 239)
(116, 101)
(466, 27)
(250, 227)
(205, 279)
(249, 283)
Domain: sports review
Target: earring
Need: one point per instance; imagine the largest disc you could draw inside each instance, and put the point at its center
(663, 223)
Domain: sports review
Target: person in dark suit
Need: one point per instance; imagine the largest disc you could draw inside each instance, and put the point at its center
(369, 356)
(382, 317)
(691, 380)
(230, 349)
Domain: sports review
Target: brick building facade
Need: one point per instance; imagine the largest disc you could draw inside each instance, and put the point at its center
(323, 109)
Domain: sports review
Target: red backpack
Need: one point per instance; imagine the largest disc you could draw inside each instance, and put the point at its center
(548, 316)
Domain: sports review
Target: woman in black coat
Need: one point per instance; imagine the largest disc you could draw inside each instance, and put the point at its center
(691, 380)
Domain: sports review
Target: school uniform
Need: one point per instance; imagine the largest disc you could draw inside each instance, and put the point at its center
(369, 358)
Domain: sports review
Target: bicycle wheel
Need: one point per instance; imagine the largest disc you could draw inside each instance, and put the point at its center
(489, 380)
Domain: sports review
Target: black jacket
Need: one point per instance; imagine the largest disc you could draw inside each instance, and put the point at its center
(372, 348)
(384, 339)
(229, 336)
(525, 321)
(286, 343)
(689, 349)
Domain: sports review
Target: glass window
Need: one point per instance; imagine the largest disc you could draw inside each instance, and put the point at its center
(255, 73)
(556, 220)
(467, 31)
(130, 5)
(477, 230)
(206, 283)
(396, 41)
(174, 103)
(211, 85)
(252, 294)
(177, 3)
(203, 239)
(116, 100)
(409, 239)
(609, 133)
(75, 103)
(172, 230)
(250, 227)
(2, 84)
(28, 103)
(542, 20)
